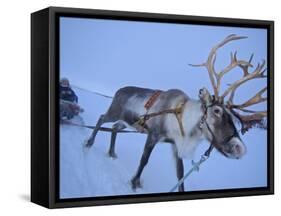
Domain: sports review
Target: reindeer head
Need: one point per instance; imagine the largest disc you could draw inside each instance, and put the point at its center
(219, 127)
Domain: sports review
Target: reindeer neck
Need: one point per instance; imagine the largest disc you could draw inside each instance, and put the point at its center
(191, 116)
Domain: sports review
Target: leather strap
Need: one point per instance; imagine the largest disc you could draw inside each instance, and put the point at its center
(152, 99)
(178, 111)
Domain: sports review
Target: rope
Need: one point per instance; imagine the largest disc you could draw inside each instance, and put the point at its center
(105, 129)
(195, 167)
(93, 92)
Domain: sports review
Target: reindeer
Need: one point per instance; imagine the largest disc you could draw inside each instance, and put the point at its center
(173, 117)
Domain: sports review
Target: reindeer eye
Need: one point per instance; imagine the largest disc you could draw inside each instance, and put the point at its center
(217, 111)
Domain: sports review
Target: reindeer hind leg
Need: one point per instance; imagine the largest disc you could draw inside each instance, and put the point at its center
(102, 119)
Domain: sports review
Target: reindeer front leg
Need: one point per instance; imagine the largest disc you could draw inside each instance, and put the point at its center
(179, 167)
(151, 141)
(180, 171)
(115, 128)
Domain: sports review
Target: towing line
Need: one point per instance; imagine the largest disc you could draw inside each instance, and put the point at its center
(105, 129)
(93, 92)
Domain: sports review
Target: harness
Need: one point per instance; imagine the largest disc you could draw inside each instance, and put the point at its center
(204, 108)
(177, 111)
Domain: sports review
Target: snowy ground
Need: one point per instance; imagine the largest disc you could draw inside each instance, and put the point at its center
(88, 173)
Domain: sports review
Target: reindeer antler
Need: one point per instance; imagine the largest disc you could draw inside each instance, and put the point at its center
(214, 76)
(253, 118)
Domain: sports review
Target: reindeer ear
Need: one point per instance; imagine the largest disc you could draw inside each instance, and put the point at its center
(248, 122)
(261, 123)
(205, 96)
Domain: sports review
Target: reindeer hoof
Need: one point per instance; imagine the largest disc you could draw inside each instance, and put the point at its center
(88, 143)
(136, 183)
(113, 155)
(181, 188)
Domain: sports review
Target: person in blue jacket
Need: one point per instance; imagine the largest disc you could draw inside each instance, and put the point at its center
(66, 93)
(69, 101)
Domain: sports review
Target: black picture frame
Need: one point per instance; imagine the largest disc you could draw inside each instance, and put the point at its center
(45, 106)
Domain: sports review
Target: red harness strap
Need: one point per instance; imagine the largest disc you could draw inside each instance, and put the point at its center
(152, 100)
(177, 111)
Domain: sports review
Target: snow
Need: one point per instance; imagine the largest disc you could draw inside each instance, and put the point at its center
(82, 170)
(90, 172)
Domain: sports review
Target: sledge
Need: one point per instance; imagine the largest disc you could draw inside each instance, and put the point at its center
(68, 110)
